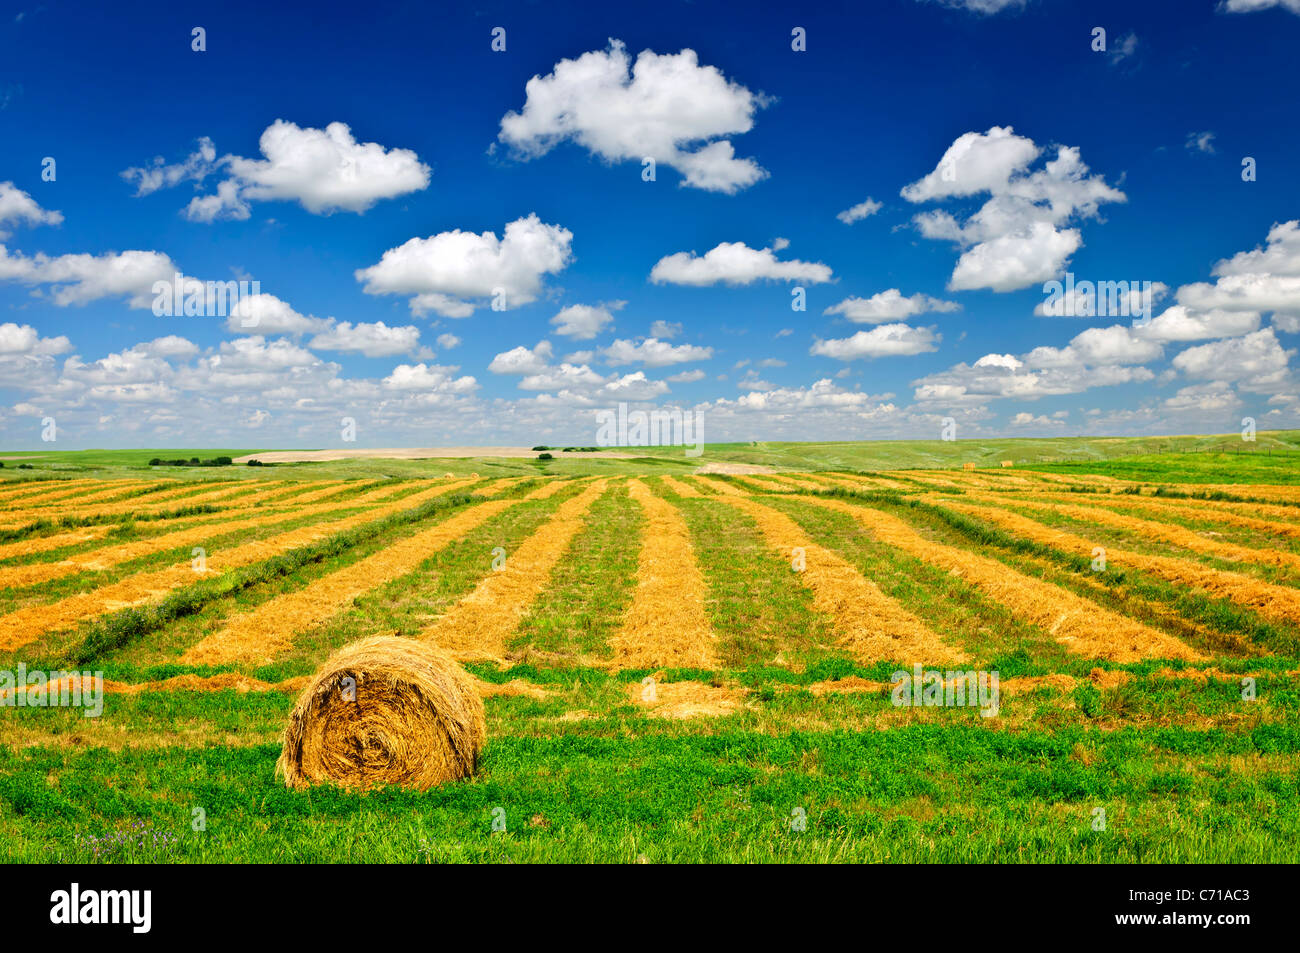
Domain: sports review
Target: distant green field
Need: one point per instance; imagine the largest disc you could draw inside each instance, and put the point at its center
(1274, 457)
(97, 459)
(1277, 452)
(1255, 466)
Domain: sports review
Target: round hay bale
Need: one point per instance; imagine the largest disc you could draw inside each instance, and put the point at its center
(384, 710)
(449, 476)
(473, 476)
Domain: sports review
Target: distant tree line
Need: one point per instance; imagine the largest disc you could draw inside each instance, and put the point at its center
(191, 462)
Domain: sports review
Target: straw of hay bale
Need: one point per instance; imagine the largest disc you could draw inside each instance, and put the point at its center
(968, 466)
(416, 719)
(1008, 463)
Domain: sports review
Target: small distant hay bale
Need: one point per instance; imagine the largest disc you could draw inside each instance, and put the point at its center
(473, 476)
(1008, 463)
(384, 710)
(449, 476)
(968, 466)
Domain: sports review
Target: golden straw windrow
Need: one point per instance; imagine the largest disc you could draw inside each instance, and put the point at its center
(1280, 603)
(268, 506)
(747, 485)
(105, 558)
(195, 493)
(666, 624)
(941, 481)
(80, 496)
(479, 625)
(865, 481)
(1281, 494)
(1080, 625)
(1169, 532)
(870, 625)
(150, 504)
(295, 494)
(786, 481)
(1284, 521)
(268, 630)
(41, 544)
(703, 486)
(828, 481)
(725, 487)
(27, 492)
(680, 487)
(182, 496)
(1086, 479)
(23, 625)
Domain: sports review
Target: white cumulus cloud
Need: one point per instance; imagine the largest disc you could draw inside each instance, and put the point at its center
(323, 170)
(857, 213)
(582, 322)
(653, 353)
(1017, 238)
(885, 340)
(735, 263)
(452, 273)
(19, 208)
(890, 305)
(664, 106)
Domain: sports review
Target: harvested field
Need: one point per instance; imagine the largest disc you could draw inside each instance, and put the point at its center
(260, 635)
(24, 625)
(479, 626)
(100, 559)
(641, 630)
(25, 547)
(1083, 627)
(1285, 521)
(1280, 603)
(871, 626)
(1175, 534)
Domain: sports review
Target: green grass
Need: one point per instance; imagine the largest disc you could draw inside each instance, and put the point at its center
(624, 788)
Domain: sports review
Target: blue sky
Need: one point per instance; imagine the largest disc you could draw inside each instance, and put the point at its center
(364, 166)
